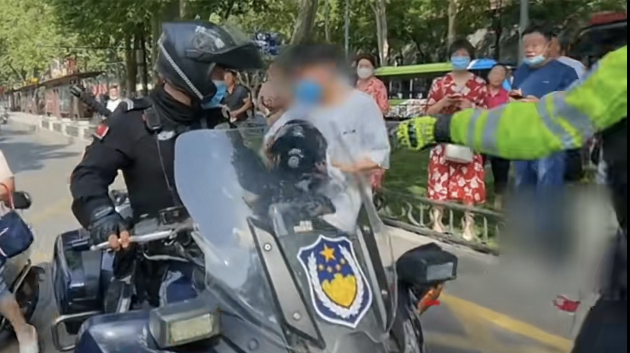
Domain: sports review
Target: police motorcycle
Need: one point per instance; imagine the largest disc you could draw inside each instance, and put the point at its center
(277, 269)
(21, 275)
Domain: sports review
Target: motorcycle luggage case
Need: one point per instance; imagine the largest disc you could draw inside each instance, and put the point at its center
(79, 278)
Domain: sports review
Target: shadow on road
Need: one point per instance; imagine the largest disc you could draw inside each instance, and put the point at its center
(27, 155)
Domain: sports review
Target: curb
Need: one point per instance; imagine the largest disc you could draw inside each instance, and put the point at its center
(75, 131)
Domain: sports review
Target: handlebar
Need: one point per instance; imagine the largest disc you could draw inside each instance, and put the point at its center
(83, 244)
(139, 239)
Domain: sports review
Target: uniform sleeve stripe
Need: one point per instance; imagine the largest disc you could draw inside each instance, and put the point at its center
(583, 126)
(489, 138)
(472, 126)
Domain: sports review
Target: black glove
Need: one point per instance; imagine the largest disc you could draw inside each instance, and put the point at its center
(105, 222)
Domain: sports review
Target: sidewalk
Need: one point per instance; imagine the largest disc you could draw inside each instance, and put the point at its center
(75, 130)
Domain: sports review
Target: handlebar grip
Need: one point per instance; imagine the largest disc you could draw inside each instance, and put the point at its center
(145, 238)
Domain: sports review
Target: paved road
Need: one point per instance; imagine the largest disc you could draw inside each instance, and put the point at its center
(479, 315)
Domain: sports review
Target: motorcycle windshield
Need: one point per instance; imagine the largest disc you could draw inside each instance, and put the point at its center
(282, 259)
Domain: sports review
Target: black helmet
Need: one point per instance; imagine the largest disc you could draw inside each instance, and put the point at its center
(189, 51)
(299, 151)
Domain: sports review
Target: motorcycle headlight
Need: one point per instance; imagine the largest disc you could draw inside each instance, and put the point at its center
(181, 323)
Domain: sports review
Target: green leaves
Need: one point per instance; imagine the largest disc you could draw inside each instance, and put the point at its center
(33, 32)
(28, 40)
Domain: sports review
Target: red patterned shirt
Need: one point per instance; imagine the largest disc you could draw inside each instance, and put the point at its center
(474, 90)
(375, 88)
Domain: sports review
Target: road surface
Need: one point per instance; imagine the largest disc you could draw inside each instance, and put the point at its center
(479, 314)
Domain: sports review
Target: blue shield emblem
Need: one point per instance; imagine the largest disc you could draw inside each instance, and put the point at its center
(339, 290)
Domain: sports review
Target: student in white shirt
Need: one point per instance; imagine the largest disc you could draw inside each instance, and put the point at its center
(9, 308)
(350, 120)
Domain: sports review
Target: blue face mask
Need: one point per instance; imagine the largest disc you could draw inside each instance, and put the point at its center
(535, 61)
(308, 92)
(460, 63)
(215, 101)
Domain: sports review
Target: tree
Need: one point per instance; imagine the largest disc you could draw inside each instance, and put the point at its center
(452, 20)
(305, 21)
(29, 40)
(380, 12)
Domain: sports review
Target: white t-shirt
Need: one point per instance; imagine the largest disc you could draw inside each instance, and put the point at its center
(354, 130)
(579, 68)
(112, 104)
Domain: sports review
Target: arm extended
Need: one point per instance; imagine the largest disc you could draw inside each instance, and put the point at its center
(560, 121)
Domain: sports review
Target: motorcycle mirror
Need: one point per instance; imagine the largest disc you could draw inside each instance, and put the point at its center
(21, 200)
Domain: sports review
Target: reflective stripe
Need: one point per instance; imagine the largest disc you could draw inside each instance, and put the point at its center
(546, 112)
(553, 109)
(472, 124)
(489, 140)
(574, 117)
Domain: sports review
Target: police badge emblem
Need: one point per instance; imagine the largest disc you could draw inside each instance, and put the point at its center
(340, 292)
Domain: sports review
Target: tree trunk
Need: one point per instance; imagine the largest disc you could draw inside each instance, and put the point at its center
(156, 31)
(452, 21)
(327, 20)
(183, 9)
(170, 12)
(498, 32)
(307, 11)
(382, 31)
(380, 14)
(142, 63)
(228, 9)
(132, 66)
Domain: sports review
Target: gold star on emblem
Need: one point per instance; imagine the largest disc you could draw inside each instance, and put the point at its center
(328, 253)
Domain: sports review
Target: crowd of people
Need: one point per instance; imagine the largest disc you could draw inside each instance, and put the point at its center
(456, 174)
(310, 87)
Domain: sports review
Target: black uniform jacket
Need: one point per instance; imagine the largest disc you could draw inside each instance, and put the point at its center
(126, 142)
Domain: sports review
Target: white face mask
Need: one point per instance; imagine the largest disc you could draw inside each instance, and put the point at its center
(365, 72)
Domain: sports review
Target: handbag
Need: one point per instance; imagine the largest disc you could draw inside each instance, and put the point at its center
(458, 154)
(15, 235)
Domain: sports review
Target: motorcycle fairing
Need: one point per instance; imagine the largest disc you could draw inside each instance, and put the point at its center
(129, 332)
(251, 239)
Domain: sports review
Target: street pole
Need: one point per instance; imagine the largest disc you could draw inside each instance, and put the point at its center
(347, 29)
(523, 25)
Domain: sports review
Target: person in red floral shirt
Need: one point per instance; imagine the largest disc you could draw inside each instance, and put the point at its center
(368, 83)
(456, 175)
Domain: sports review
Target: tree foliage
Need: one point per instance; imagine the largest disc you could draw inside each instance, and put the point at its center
(28, 40)
(32, 32)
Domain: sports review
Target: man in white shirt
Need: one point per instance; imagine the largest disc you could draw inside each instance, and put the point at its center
(559, 50)
(114, 98)
(350, 120)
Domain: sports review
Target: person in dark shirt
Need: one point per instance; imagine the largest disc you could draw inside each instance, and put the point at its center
(139, 137)
(238, 99)
(539, 76)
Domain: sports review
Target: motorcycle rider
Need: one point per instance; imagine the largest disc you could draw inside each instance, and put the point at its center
(139, 137)
(560, 121)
